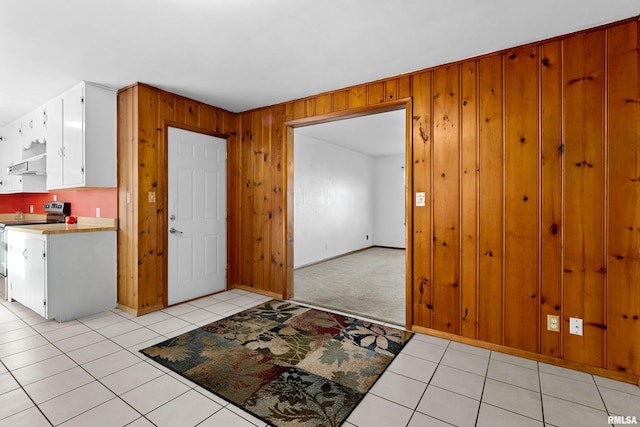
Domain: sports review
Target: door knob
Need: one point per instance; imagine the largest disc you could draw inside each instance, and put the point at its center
(174, 231)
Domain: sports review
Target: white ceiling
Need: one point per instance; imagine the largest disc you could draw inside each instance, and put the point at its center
(244, 54)
(380, 134)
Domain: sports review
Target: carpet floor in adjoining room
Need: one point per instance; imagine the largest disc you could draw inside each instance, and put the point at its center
(369, 283)
(287, 364)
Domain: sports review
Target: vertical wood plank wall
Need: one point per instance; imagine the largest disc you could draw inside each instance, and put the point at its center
(143, 114)
(530, 160)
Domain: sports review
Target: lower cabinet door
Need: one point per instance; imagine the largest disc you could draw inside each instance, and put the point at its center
(27, 270)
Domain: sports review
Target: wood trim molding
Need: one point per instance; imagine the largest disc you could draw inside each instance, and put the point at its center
(403, 103)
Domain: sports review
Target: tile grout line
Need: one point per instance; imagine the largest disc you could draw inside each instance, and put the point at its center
(484, 385)
(27, 394)
(541, 399)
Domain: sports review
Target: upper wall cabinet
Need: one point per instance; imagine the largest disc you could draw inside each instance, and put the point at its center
(12, 152)
(81, 152)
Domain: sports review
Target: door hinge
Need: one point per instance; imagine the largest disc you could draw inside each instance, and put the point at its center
(44, 302)
(82, 170)
(82, 100)
(44, 255)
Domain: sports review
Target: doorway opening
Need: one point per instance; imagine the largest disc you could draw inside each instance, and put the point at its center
(349, 215)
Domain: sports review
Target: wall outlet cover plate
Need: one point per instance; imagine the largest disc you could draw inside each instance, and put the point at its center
(575, 326)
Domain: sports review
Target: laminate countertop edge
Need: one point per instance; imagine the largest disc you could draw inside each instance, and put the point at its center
(84, 225)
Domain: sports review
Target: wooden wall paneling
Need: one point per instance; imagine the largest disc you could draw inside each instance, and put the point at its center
(404, 87)
(357, 97)
(422, 138)
(521, 282)
(148, 218)
(166, 112)
(445, 199)
(391, 90)
(234, 223)
(469, 199)
(127, 203)
(584, 268)
(324, 104)
(310, 107)
(208, 119)
(340, 100)
(191, 112)
(297, 110)
(246, 202)
(289, 208)
(266, 200)
(491, 194)
(179, 107)
(375, 93)
(278, 172)
(409, 192)
(259, 150)
(551, 196)
(623, 257)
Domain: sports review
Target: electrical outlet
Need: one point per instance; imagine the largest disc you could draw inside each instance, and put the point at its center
(575, 326)
(97, 212)
(553, 323)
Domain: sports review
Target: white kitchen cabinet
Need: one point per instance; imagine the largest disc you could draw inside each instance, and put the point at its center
(62, 276)
(26, 254)
(5, 150)
(86, 155)
(12, 152)
(54, 143)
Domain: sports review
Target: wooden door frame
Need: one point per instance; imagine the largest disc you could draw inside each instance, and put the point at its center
(165, 196)
(290, 125)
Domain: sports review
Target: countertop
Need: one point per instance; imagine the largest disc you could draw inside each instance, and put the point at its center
(84, 225)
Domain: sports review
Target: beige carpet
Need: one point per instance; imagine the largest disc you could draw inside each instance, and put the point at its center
(368, 283)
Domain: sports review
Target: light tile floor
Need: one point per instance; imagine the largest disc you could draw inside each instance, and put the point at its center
(89, 372)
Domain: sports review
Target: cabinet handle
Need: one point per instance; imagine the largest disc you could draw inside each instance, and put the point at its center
(24, 253)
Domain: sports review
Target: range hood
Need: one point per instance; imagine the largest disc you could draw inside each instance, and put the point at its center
(33, 166)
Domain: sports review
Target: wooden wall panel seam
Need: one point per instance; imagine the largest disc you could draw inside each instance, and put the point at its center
(605, 190)
(431, 173)
(477, 176)
(503, 253)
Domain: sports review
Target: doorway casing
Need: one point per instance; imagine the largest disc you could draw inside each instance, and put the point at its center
(400, 104)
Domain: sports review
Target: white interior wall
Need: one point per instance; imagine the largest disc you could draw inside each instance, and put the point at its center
(333, 199)
(389, 201)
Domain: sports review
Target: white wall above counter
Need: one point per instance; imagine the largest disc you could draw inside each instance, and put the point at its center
(76, 131)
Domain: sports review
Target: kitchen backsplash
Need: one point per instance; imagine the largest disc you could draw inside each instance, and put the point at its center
(83, 202)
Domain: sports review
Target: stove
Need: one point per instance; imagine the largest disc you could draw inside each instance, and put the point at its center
(56, 213)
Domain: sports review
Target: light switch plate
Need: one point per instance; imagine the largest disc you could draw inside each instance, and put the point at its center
(575, 326)
(420, 198)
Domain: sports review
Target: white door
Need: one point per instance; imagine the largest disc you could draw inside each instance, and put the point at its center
(197, 215)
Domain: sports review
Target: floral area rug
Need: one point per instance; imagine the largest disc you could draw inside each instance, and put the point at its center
(287, 364)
